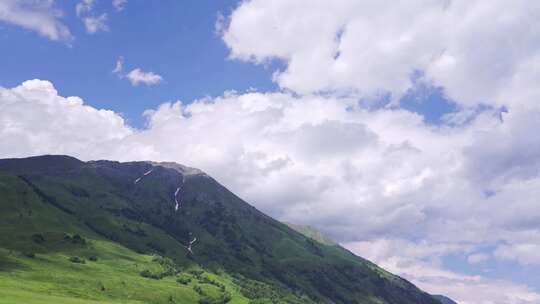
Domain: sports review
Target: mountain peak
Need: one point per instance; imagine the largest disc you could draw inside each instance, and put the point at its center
(185, 170)
(179, 218)
(41, 163)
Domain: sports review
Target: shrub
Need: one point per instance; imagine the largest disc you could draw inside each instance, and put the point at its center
(225, 298)
(155, 247)
(29, 255)
(206, 300)
(199, 290)
(222, 299)
(261, 301)
(196, 273)
(170, 268)
(77, 239)
(38, 238)
(148, 274)
(184, 280)
(76, 259)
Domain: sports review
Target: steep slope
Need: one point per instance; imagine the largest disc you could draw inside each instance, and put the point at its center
(444, 300)
(312, 233)
(176, 214)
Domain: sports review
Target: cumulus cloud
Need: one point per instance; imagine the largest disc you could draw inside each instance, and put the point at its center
(34, 119)
(359, 175)
(419, 262)
(468, 47)
(138, 76)
(39, 16)
(469, 182)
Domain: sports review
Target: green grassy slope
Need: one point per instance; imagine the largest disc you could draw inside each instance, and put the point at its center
(132, 228)
(38, 245)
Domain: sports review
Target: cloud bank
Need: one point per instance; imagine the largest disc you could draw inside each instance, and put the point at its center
(360, 175)
(479, 51)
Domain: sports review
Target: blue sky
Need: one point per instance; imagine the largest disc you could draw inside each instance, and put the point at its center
(387, 138)
(176, 39)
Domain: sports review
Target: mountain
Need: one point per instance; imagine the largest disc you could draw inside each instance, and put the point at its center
(147, 232)
(312, 233)
(444, 300)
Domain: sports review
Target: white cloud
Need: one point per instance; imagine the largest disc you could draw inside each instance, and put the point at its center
(356, 174)
(472, 181)
(477, 258)
(95, 24)
(40, 16)
(523, 253)
(419, 263)
(119, 67)
(138, 76)
(84, 7)
(119, 5)
(480, 52)
(36, 120)
(385, 169)
(92, 22)
(372, 179)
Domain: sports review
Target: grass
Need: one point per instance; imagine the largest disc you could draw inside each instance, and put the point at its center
(57, 214)
(113, 278)
(37, 254)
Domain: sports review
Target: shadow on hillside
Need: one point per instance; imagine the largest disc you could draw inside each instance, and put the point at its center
(8, 262)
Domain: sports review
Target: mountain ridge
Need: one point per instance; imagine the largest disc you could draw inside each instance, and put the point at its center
(444, 299)
(312, 233)
(182, 214)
